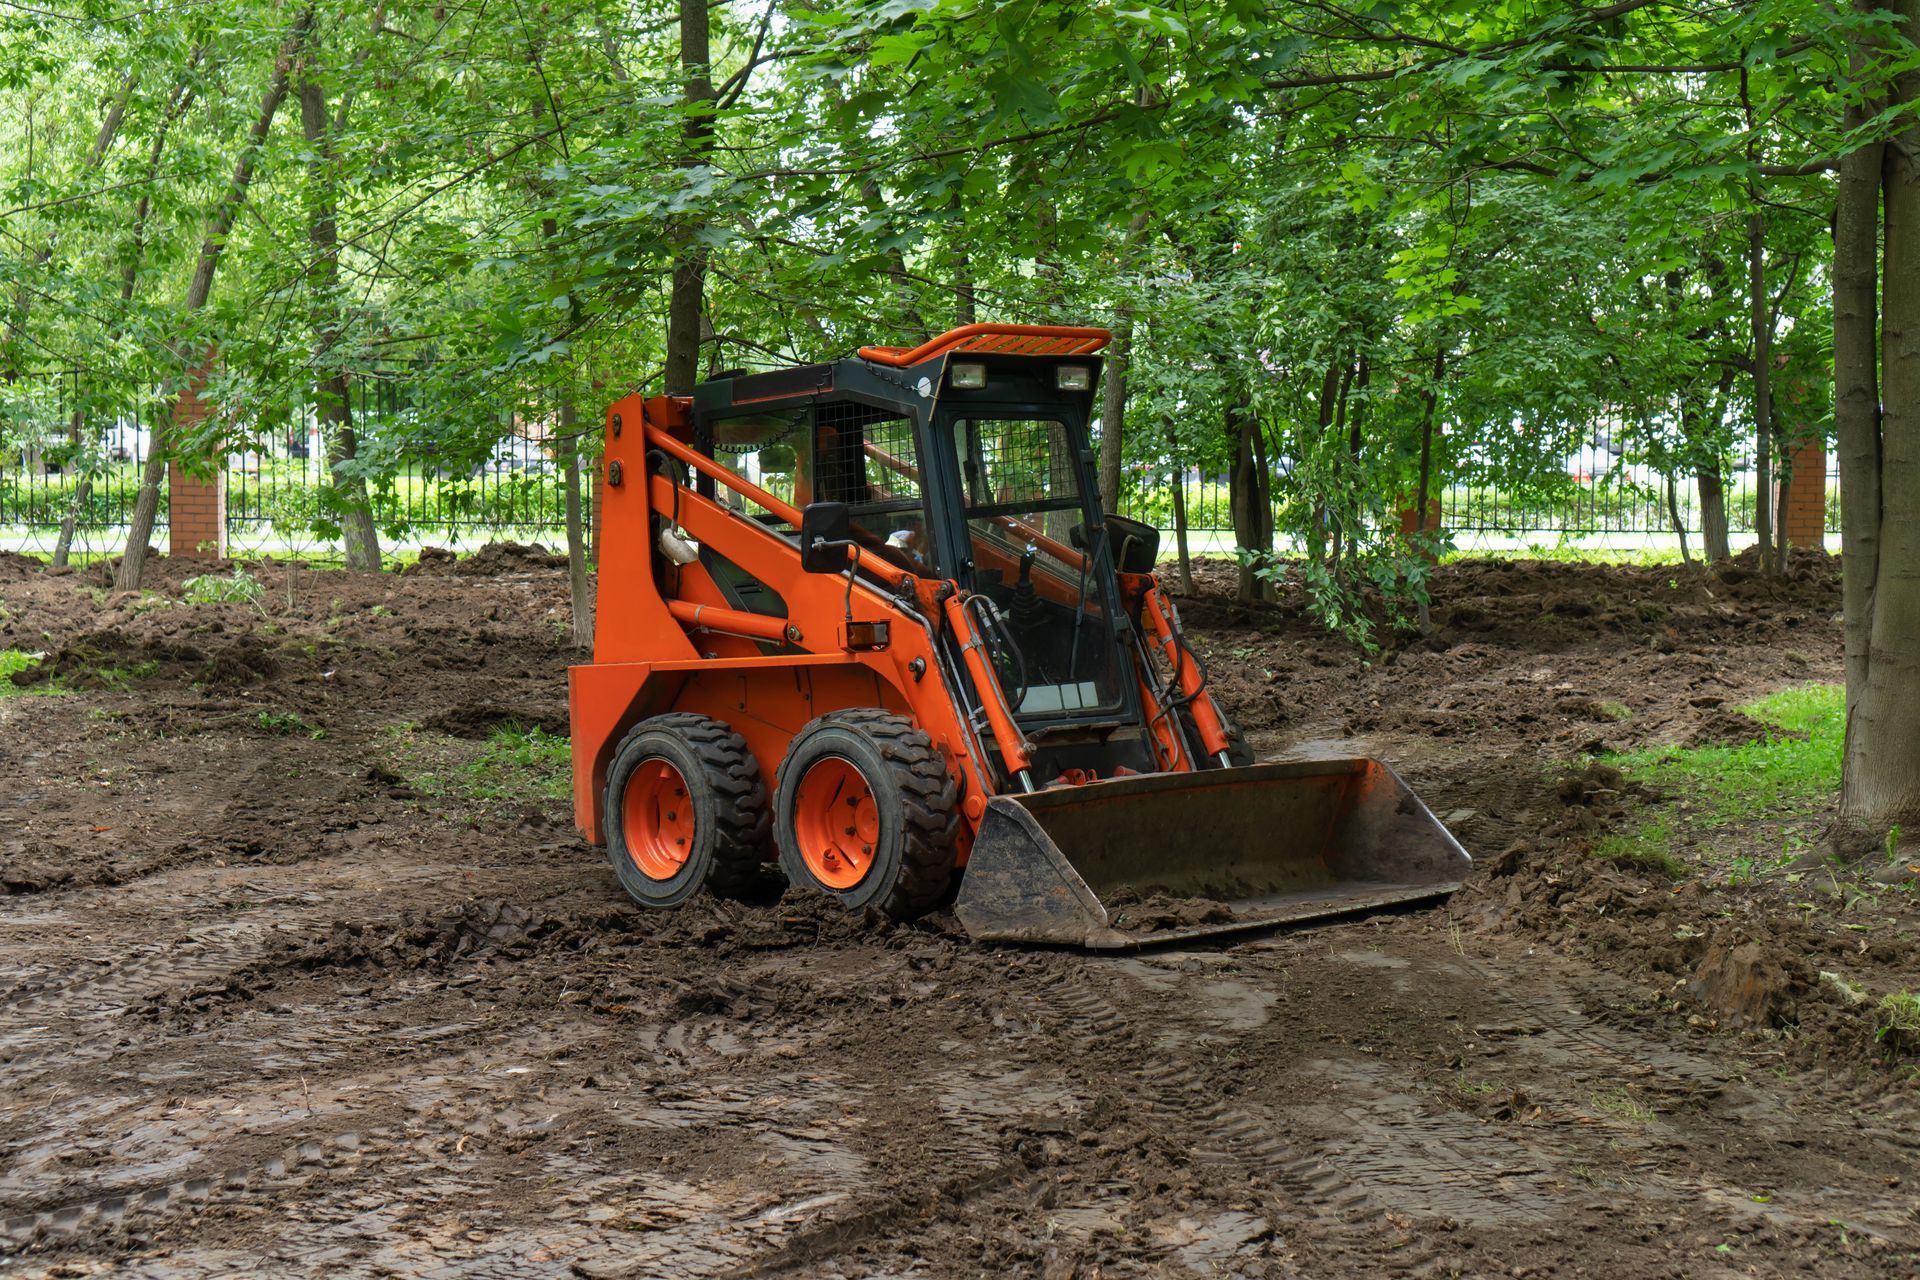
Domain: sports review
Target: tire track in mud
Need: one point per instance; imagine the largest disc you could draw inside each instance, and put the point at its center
(1389, 1174)
(671, 1099)
(1210, 1127)
(1605, 1049)
(410, 1114)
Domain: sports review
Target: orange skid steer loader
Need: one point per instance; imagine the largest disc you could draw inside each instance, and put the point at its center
(869, 618)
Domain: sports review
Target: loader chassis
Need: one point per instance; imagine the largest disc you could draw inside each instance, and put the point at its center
(847, 610)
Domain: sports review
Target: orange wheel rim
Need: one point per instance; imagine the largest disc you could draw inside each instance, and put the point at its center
(836, 823)
(657, 819)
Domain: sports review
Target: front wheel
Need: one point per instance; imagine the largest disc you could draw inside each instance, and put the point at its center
(685, 810)
(865, 811)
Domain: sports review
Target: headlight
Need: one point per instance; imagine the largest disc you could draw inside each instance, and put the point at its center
(1073, 377)
(967, 377)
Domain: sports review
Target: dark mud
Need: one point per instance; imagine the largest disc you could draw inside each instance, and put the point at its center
(269, 1007)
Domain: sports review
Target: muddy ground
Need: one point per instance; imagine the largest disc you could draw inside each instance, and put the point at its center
(296, 979)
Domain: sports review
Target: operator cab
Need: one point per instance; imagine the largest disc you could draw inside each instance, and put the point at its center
(975, 468)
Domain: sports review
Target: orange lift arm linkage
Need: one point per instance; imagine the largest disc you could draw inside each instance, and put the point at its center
(659, 439)
(1159, 614)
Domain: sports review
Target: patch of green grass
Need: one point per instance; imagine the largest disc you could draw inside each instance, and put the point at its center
(1900, 1020)
(212, 588)
(1613, 710)
(514, 766)
(1645, 556)
(12, 660)
(287, 724)
(120, 679)
(1649, 845)
(1777, 774)
(1784, 775)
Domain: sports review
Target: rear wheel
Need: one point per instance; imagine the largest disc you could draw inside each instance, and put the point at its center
(685, 809)
(865, 811)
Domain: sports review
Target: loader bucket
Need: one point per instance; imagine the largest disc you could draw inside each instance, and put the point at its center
(1140, 860)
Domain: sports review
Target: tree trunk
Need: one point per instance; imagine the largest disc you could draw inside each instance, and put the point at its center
(1179, 510)
(687, 304)
(579, 583)
(1428, 412)
(1336, 524)
(331, 390)
(1761, 318)
(1252, 517)
(82, 494)
(1113, 407)
(146, 505)
(177, 103)
(1715, 543)
(1679, 525)
(1113, 403)
(1762, 323)
(1880, 469)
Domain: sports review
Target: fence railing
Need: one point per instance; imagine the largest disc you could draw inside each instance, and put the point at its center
(58, 469)
(1623, 509)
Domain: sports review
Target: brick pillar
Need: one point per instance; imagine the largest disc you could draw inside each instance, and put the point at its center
(1804, 519)
(1410, 522)
(196, 507)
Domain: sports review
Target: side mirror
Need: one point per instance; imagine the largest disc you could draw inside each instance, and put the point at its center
(826, 530)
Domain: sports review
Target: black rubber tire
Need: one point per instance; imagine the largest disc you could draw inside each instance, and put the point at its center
(730, 813)
(914, 793)
(1238, 752)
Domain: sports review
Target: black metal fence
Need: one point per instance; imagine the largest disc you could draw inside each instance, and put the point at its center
(65, 473)
(1624, 508)
(69, 471)
(281, 498)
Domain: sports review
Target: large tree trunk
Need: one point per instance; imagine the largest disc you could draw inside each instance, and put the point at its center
(1179, 510)
(146, 505)
(1715, 543)
(687, 303)
(1760, 317)
(1252, 514)
(82, 491)
(1113, 407)
(1762, 323)
(1423, 490)
(1880, 470)
(330, 387)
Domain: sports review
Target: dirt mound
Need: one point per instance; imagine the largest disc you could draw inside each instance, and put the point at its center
(492, 560)
(15, 567)
(1723, 728)
(101, 659)
(508, 557)
(1159, 911)
(114, 659)
(475, 720)
(1749, 984)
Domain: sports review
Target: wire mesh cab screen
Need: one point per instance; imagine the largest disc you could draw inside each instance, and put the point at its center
(1023, 498)
(867, 458)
